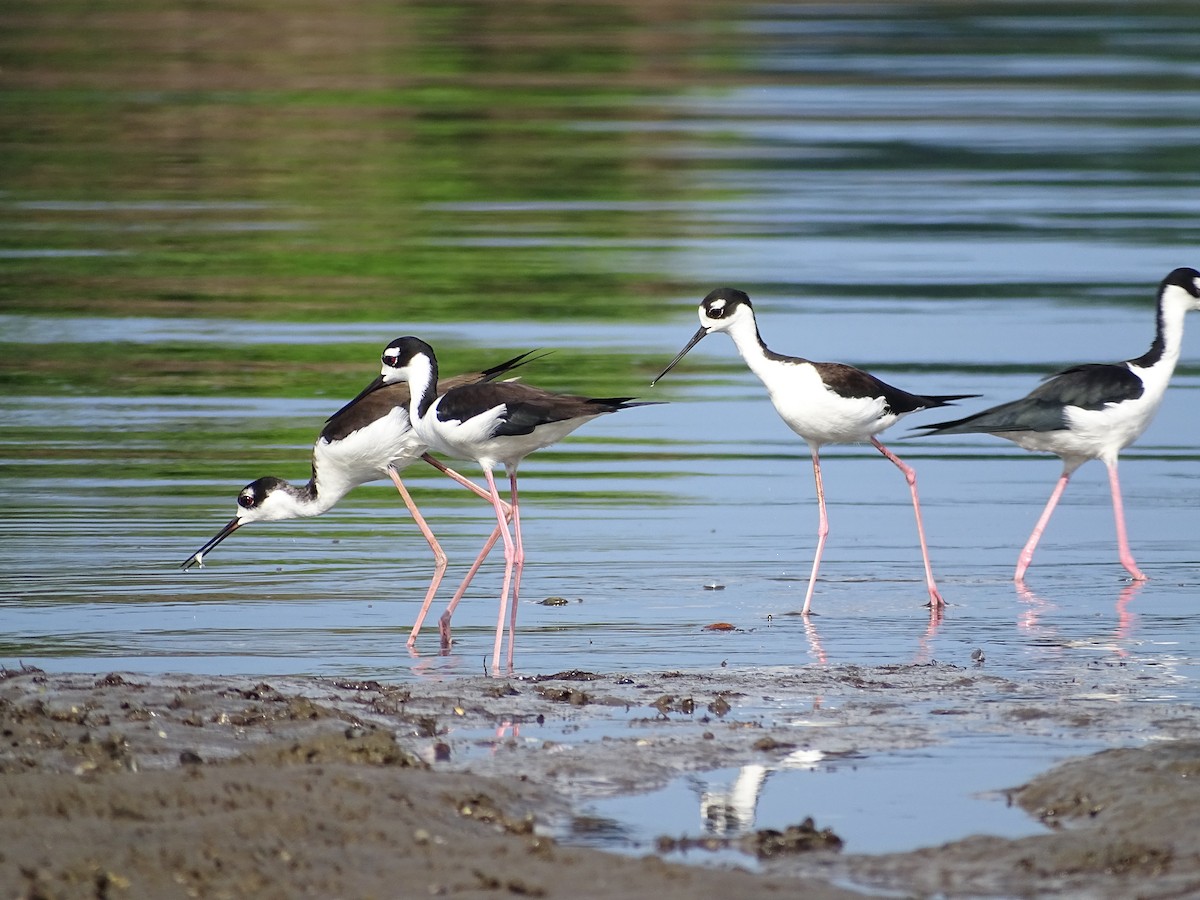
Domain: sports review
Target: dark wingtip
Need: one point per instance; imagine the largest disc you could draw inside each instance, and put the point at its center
(516, 362)
(616, 403)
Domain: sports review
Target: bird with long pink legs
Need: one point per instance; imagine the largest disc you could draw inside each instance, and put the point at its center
(824, 403)
(1092, 411)
(495, 424)
(367, 439)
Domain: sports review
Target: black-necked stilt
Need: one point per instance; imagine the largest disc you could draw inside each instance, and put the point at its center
(369, 438)
(1093, 411)
(824, 403)
(494, 424)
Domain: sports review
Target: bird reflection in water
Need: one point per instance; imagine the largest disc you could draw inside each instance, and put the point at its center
(731, 810)
(1034, 607)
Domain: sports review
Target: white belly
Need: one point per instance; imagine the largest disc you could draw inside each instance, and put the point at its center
(366, 454)
(1094, 433)
(473, 439)
(820, 416)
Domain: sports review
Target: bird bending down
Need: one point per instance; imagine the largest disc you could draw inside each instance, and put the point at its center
(369, 438)
(823, 402)
(1092, 411)
(494, 424)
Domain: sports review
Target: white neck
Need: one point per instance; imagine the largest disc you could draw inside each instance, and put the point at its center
(1158, 363)
(422, 387)
(290, 501)
(744, 332)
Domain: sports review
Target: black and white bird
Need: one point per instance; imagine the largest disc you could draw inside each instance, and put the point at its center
(367, 439)
(495, 424)
(1093, 411)
(823, 402)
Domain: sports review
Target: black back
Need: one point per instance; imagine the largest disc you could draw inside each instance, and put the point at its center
(525, 406)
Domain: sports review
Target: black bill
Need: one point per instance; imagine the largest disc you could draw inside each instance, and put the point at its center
(690, 344)
(197, 558)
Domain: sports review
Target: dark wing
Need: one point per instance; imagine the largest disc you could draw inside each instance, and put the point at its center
(369, 389)
(851, 382)
(1019, 415)
(525, 406)
(375, 402)
(362, 411)
(1090, 386)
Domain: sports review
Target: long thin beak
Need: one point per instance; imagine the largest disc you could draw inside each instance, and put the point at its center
(197, 558)
(690, 344)
(373, 386)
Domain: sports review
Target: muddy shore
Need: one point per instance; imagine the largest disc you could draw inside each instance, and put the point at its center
(126, 785)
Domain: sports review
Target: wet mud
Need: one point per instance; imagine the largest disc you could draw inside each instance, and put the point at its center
(123, 785)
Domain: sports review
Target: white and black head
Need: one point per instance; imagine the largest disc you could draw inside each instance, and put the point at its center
(265, 500)
(1186, 280)
(719, 311)
(403, 356)
(723, 307)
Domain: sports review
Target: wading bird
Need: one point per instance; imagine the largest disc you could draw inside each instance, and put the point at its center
(823, 402)
(493, 423)
(367, 439)
(1092, 411)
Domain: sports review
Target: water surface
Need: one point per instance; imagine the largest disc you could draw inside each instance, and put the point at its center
(203, 249)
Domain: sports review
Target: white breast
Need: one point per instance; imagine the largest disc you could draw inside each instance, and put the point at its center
(366, 454)
(819, 415)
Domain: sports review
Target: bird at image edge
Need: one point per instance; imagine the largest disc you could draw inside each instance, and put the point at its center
(1092, 411)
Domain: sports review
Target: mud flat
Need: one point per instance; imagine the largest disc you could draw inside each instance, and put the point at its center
(127, 785)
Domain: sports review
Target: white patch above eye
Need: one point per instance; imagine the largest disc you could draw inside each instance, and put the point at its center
(717, 305)
(391, 358)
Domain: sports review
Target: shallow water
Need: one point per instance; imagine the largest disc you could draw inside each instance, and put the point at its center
(885, 803)
(960, 201)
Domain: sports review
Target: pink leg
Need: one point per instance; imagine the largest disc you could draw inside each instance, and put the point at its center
(1026, 556)
(1119, 512)
(519, 565)
(444, 622)
(439, 556)
(822, 531)
(461, 479)
(509, 558)
(935, 599)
